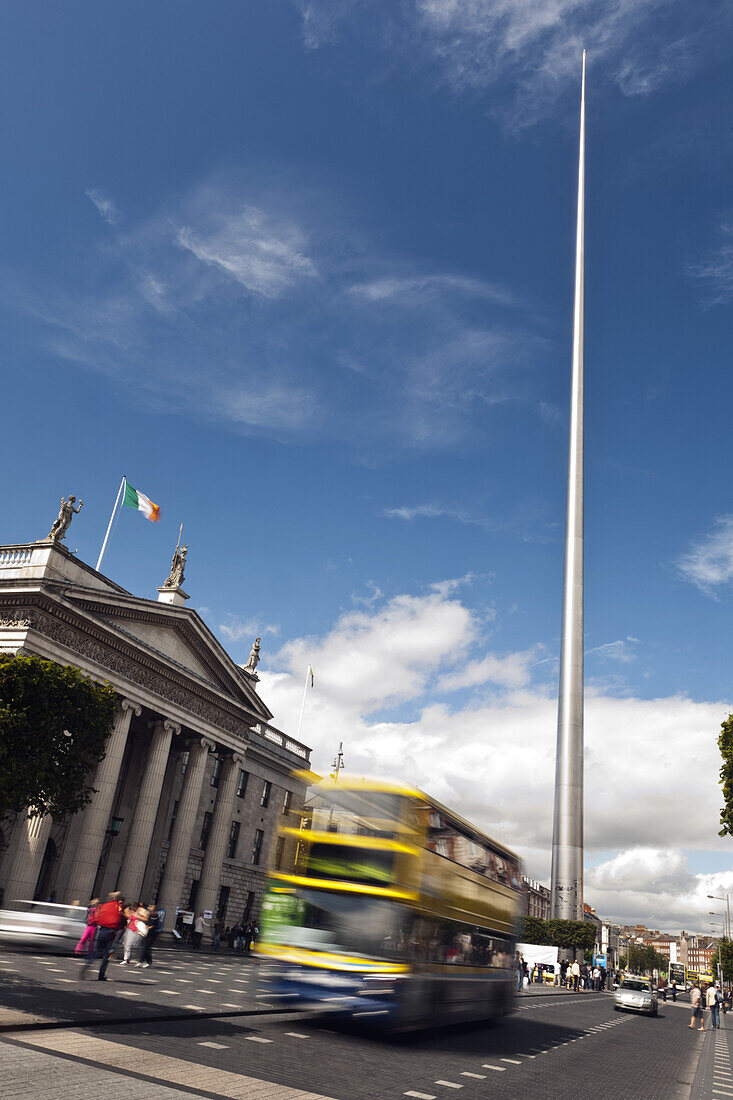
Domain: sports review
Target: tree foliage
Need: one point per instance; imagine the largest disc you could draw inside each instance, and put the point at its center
(643, 959)
(574, 934)
(725, 744)
(54, 723)
(724, 957)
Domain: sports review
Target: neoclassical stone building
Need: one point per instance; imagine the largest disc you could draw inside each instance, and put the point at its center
(196, 777)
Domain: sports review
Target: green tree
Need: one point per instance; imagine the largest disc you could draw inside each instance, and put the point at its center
(725, 744)
(533, 930)
(54, 723)
(724, 957)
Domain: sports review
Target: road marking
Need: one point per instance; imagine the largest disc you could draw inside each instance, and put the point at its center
(420, 1095)
(228, 1004)
(128, 993)
(298, 1035)
(171, 992)
(449, 1084)
(215, 1046)
(478, 1076)
(196, 1008)
(257, 1039)
(514, 1061)
(499, 1069)
(215, 981)
(207, 991)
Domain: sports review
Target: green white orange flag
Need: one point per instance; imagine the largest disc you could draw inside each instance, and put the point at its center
(133, 498)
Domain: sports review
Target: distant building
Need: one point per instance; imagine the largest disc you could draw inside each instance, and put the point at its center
(536, 899)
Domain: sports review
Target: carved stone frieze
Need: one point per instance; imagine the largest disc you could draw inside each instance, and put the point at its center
(135, 673)
(21, 619)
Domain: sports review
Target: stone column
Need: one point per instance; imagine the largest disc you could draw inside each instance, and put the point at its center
(85, 856)
(146, 810)
(180, 846)
(25, 857)
(219, 832)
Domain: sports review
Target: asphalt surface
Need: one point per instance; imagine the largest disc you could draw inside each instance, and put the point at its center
(555, 1044)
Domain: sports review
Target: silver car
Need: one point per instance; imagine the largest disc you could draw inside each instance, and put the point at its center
(637, 995)
(42, 925)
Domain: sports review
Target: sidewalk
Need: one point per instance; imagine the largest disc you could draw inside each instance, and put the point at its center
(714, 1076)
(46, 989)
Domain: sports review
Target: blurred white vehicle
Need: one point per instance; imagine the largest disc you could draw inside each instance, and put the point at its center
(42, 925)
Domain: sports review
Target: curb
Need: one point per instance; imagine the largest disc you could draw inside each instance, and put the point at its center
(57, 1025)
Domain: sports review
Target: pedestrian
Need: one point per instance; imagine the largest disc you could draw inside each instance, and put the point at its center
(153, 926)
(133, 935)
(217, 934)
(597, 978)
(713, 1003)
(86, 941)
(198, 930)
(696, 1003)
(518, 970)
(575, 974)
(674, 992)
(109, 920)
(238, 936)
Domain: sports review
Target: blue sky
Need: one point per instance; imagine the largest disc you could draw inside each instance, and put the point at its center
(303, 272)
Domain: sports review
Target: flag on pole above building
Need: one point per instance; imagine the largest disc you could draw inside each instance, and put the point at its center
(135, 499)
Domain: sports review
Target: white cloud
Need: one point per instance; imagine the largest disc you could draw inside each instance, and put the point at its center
(528, 51)
(236, 629)
(659, 883)
(107, 209)
(716, 270)
(709, 563)
(223, 307)
(419, 289)
(384, 678)
(264, 256)
(621, 650)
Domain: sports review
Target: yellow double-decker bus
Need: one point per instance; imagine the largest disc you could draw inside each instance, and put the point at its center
(385, 906)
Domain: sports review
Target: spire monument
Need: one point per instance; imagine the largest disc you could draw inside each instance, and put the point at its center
(567, 838)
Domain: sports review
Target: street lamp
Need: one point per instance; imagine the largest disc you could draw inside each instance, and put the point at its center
(726, 899)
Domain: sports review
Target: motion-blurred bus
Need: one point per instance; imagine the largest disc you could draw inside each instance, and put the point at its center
(386, 907)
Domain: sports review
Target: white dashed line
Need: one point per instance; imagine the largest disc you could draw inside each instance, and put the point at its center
(478, 1076)
(499, 1069)
(215, 1046)
(257, 1039)
(421, 1095)
(298, 1035)
(514, 1061)
(449, 1084)
(171, 992)
(195, 1008)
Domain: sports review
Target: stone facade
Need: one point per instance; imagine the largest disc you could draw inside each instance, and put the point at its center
(174, 820)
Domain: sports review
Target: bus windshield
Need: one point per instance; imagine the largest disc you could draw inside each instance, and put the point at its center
(323, 920)
(360, 813)
(348, 863)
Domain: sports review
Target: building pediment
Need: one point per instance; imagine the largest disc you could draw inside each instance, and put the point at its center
(176, 635)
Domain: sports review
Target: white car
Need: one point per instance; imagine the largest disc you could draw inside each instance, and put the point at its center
(636, 994)
(43, 925)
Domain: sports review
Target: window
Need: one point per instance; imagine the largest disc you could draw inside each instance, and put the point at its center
(216, 771)
(185, 756)
(287, 800)
(205, 828)
(257, 846)
(233, 838)
(279, 852)
(242, 784)
(223, 902)
(247, 911)
(266, 788)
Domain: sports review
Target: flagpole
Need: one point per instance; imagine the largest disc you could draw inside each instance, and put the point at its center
(302, 705)
(109, 525)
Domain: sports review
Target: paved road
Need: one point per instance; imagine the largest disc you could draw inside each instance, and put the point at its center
(551, 1047)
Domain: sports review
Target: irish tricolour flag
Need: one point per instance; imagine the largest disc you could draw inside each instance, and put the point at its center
(135, 499)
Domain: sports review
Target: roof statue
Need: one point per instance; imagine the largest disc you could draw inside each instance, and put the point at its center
(67, 511)
(254, 657)
(178, 566)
